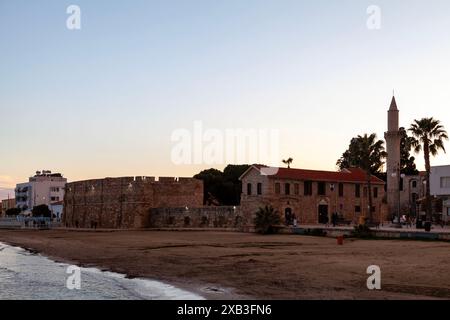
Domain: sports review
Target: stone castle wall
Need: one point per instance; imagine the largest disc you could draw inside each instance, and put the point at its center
(126, 202)
(203, 217)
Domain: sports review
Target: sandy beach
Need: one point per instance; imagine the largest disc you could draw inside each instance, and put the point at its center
(226, 265)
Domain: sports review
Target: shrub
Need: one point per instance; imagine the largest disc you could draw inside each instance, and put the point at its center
(362, 231)
(266, 219)
(41, 211)
(316, 233)
(12, 212)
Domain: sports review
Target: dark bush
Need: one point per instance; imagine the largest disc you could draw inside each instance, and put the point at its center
(266, 220)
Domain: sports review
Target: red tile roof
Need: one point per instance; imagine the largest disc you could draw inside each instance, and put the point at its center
(356, 175)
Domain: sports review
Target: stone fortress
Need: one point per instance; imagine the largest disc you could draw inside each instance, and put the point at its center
(126, 202)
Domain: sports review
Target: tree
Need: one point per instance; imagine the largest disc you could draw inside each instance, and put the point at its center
(429, 136)
(266, 219)
(13, 212)
(41, 211)
(367, 153)
(407, 162)
(222, 187)
(288, 162)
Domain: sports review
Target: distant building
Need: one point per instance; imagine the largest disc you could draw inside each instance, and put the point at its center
(412, 189)
(43, 188)
(7, 204)
(440, 190)
(312, 196)
(57, 210)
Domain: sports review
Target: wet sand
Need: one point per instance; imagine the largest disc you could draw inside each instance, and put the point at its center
(226, 265)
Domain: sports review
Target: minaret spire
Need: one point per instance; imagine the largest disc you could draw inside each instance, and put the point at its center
(393, 106)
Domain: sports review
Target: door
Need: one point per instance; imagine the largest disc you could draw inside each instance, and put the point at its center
(323, 214)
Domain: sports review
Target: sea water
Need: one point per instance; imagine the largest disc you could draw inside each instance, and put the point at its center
(28, 276)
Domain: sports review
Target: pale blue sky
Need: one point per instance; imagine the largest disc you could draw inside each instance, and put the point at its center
(104, 100)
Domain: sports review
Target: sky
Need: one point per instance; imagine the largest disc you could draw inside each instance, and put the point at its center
(105, 100)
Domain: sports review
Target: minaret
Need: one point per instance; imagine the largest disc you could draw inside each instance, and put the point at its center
(392, 137)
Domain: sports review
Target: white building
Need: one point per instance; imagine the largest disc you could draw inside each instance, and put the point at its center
(440, 188)
(57, 210)
(44, 188)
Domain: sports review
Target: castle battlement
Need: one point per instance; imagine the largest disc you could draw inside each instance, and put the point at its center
(125, 202)
(135, 181)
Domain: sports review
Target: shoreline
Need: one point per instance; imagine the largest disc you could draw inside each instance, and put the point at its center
(232, 266)
(206, 291)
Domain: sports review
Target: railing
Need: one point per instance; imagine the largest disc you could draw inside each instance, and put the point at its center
(22, 222)
(35, 222)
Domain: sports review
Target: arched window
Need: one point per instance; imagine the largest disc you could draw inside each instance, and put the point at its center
(249, 189)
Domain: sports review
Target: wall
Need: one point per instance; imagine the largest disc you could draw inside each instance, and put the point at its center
(126, 202)
(204, 217)
(435, 180)
(306, 207)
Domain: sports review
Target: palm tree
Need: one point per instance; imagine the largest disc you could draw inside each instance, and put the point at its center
(367, 153)
(266, 219)
(288, 162)
(429, 136)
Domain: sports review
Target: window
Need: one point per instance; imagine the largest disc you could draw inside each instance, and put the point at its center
(296, 189)
(249, 189)
(445, 182)
(308, 188)
(259, 188)
(277, 188)
(414, 184)
(401, 184)
(357, 190)
(448, 212)
(375, 192)
(365, 192)
(321, 188)
(54, 189)
(341, 190)
(357, 209)
(287, 189)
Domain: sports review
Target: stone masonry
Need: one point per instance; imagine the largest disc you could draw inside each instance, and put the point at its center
(126, 202)
(285, 192)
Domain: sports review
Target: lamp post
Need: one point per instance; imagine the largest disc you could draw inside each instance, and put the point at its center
(402, 176)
